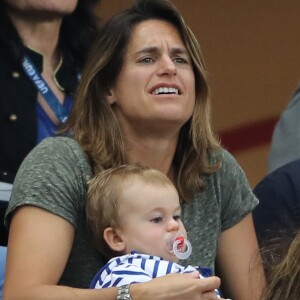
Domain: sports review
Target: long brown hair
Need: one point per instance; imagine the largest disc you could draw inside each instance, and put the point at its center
(93, 122)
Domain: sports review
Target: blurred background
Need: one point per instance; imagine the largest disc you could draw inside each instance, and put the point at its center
(252, 53)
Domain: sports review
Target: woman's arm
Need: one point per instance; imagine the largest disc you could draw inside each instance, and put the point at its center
(38, 248)
(238, 262)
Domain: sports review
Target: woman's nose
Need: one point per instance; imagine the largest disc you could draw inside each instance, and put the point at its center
(166, 66)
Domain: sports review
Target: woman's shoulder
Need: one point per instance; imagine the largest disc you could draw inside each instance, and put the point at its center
(59, 140)
(227, 161)
(59, 146)
(230, 178)
(58, 154)
(56, 166)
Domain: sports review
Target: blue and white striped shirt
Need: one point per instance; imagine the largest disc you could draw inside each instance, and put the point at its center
(135, 268)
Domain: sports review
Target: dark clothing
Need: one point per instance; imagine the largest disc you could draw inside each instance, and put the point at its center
(18, 106)
(278, 212)
(18, 117)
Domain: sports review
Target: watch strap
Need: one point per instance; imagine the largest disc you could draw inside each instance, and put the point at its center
(124, 292)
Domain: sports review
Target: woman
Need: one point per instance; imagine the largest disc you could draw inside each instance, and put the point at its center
(143, 98)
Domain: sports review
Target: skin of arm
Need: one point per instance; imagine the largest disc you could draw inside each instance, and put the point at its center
(239, 263)
(37, 256)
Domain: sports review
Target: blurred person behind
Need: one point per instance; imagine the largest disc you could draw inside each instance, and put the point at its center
(56, 36)
(278, 211)
(285, 145)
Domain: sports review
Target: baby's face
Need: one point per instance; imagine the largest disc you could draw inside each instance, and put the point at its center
(150, 215)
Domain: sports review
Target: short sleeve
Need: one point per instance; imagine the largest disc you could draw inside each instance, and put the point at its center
(236, 196)
(52, 177)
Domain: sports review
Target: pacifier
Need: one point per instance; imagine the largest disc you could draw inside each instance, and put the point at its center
(179, 245)
(182, 248)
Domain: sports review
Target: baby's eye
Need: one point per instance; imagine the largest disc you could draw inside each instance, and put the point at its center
(176, 218)
(157, 220)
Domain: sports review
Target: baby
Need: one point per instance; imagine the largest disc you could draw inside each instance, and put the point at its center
(135, 217)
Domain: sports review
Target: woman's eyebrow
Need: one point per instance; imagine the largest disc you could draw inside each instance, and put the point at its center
(179, 50)
(148, 50)
(155, 49)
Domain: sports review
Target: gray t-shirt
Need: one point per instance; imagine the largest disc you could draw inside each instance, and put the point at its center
(54, 177)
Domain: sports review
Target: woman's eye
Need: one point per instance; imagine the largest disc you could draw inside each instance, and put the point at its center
(157, 220)
(146, 60)
(180, 60)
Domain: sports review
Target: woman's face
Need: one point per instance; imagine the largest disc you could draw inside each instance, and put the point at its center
(60, 7)
(156, 86)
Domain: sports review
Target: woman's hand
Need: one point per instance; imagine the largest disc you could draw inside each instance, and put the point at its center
(177, 286)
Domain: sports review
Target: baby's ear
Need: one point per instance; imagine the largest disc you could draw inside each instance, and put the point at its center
(113, 239)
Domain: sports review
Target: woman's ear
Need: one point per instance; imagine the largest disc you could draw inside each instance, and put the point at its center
(110, 97)
(114, 239)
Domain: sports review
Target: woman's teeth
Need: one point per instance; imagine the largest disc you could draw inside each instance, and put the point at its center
(165, 90)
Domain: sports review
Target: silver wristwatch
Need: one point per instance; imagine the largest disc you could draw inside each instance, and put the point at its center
(124, 293)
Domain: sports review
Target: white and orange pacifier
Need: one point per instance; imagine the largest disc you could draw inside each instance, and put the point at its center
(182, 248)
